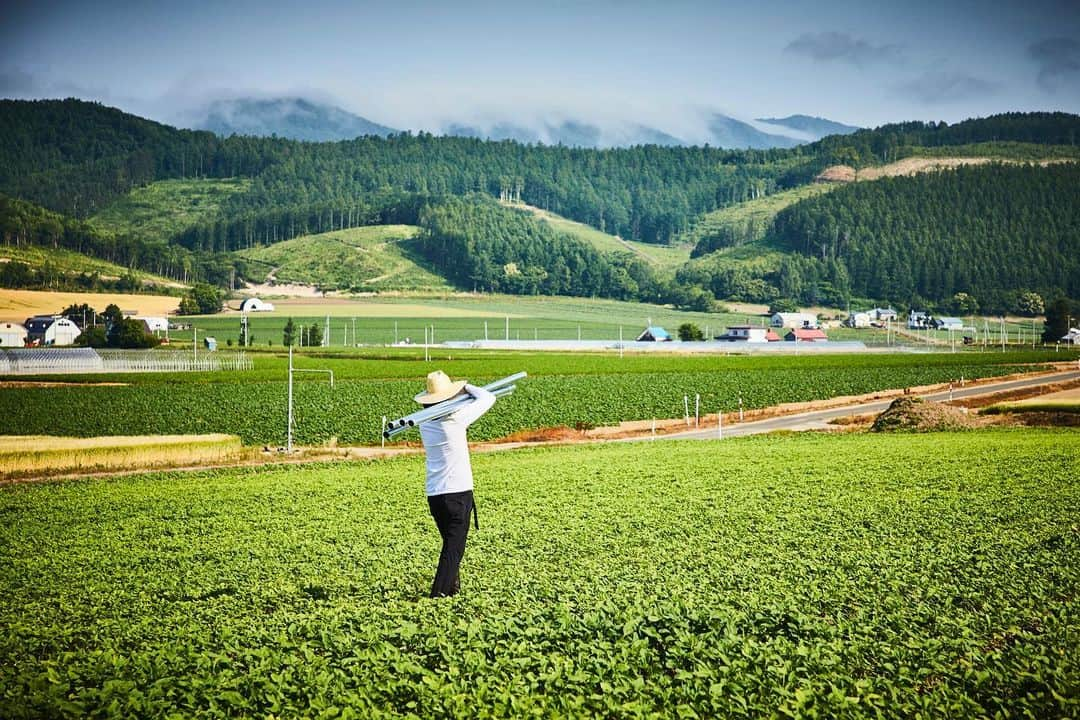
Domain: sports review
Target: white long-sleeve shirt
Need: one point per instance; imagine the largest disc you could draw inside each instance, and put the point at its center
(448, 467)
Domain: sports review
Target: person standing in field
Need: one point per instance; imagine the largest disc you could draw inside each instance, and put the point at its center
(449, 472)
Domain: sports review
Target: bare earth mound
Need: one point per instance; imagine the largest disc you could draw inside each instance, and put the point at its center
(917, 415)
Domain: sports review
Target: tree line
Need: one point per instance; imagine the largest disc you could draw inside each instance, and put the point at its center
(991, 232)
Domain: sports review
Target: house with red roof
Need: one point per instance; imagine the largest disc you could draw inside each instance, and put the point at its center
(806, 335)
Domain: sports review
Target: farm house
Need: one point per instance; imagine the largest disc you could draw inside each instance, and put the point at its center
(12, 335)
(806, 335)
(748, 333)
(654, 334)
(254, 304)
(794, 320)
(51, 330)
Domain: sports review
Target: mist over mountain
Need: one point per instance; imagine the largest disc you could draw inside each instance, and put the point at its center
(300, 118)
(814, 126)
(293, 118)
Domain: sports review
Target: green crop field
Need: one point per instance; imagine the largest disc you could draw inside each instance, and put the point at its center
(462, 317)
(166, 207)
(362, 259)
(796, 576)
(573, 390)
(663, 256)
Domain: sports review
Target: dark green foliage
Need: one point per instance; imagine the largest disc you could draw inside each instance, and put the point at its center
(689, 332)
(481, 245)
(94, 337)
(130, 333)
(202, 299)
(984, 231)
(289, 335)
(783, 305)
(1058, 315)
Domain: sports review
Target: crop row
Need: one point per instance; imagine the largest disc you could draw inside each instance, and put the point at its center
(352, 410)
(842, 576)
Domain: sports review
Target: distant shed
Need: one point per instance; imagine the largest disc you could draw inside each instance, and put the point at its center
(12, 335)
(654, 334)
(254, 304)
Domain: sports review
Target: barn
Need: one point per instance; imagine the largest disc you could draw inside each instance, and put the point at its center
(51, 330)
(12, 335)
(254, 304)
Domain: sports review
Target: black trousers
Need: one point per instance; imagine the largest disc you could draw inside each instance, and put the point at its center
(451, 513)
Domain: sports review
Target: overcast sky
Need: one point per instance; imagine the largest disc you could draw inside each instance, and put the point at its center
(412, 64)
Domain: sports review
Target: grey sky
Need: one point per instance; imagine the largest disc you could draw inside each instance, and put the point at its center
(412, 64)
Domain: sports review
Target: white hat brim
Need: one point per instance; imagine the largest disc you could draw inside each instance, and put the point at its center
(426, 398)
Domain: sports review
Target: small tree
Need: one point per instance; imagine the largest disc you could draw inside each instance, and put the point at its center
(965, 304)
(1030, 304)
(289, 336)
(689, 332)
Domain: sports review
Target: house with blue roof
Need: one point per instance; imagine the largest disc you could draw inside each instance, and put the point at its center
(654, 334)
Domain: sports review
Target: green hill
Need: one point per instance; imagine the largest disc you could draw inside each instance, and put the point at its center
(661, 256)
(746, 221)
(363, 259)
(69, 262)
(163, 209)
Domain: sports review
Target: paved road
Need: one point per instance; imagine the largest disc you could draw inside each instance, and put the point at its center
(819, 419)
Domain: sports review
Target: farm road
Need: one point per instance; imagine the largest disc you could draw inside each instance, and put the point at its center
(819, 419)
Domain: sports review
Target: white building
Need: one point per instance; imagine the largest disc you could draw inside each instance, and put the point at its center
(859, 320)
(254, 304)
(154, 324)
(949, 323)
(12, 335)
(745, 333)
(1072, 337)
(883, 314)
(51, 330)
(794, 320)
(917, 320)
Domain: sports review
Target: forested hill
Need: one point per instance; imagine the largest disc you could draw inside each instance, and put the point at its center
(75, 158)
(986, 231)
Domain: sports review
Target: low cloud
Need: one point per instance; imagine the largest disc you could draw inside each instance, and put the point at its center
(841, 47)
(16, 83)
(1058, 59)
(937, 87)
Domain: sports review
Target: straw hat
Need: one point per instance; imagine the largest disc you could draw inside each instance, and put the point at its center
(439, 387)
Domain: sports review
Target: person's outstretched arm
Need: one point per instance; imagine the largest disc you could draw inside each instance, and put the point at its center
(482, 402)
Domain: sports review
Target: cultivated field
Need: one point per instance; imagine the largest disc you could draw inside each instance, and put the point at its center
(831, 576)
(44, 454)
(571, 390)
(17, 305)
